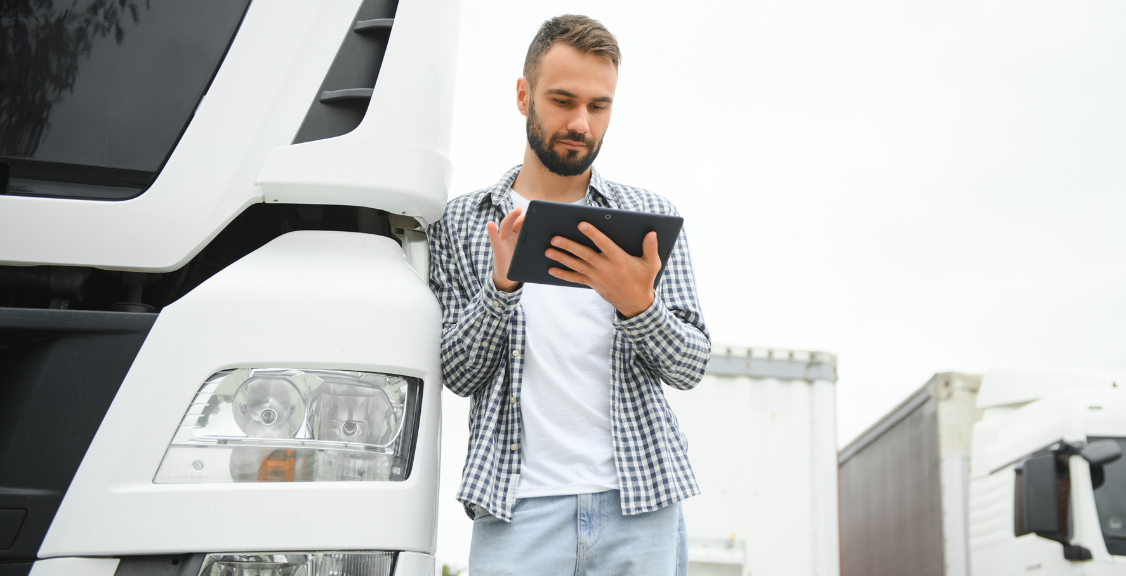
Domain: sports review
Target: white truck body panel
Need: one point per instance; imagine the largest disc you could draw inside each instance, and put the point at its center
(397, 160)
(75, 567)
(255, 104)
(762, 441)
(1016, 386)
(328, 300)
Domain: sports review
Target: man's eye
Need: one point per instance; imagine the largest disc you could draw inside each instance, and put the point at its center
(560, 102)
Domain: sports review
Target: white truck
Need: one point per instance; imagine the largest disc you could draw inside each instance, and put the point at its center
(218, 349)
(1019, 472)
(762, 437)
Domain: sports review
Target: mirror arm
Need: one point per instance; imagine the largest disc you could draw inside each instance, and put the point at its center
(1076, 552)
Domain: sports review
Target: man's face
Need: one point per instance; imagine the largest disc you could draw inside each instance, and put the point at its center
(569, 108)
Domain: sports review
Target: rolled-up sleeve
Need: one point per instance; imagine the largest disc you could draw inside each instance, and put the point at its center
(670, 336)
(475, 318)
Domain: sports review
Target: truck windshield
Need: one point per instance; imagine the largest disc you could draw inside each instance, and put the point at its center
(94, 94)
(1110, 498)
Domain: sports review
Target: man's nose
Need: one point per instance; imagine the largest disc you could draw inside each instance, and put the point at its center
(580, 121)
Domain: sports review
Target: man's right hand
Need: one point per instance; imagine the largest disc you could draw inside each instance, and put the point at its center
(503, 238)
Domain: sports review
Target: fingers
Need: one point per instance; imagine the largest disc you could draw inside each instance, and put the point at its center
(509, 221)
(494, 235)
(604, 244)
(648, 246)
(570, 276)
(507, 230)
(574, 248)
(569, 261)
(649, 250)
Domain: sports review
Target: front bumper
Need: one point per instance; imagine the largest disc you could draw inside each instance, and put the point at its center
(406, 564)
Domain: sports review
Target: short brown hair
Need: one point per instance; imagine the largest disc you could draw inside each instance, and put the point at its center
(579, 32)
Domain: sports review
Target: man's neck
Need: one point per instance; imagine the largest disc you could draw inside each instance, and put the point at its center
(536, 182)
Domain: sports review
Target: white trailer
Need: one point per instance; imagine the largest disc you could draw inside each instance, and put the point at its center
(761, 429)
(218, 348)
(1019, 472)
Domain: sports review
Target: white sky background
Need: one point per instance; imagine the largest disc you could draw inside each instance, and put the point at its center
(916, 188)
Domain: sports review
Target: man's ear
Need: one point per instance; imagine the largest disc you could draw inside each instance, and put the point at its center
(523, 95)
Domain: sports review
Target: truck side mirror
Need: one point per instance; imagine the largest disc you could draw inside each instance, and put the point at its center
(1043, 499)
(1045, 513)
(1101, 452)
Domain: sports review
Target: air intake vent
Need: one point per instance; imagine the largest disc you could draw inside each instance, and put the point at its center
(343, 98)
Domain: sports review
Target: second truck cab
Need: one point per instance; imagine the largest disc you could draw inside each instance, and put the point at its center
(1048, 484)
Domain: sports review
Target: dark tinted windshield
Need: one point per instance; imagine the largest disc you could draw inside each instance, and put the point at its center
(1110, 498)
(94, 94)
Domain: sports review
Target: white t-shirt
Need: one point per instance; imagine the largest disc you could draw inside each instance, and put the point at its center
(565, 392)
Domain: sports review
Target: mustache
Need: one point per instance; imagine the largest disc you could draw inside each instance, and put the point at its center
(573, 137)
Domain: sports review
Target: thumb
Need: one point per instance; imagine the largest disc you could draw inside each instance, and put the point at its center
(649, 250)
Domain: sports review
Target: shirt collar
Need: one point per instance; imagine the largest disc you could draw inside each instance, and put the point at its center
(598, 189)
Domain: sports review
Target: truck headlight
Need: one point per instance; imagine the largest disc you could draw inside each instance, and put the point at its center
(298, 564)
(286, 425)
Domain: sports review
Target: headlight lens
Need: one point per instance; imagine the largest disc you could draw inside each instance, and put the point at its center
(285, 425)
(298, 564)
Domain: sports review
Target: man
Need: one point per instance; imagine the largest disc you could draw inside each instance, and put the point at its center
(576, 464)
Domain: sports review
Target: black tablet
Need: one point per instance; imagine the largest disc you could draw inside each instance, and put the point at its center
(546, 220)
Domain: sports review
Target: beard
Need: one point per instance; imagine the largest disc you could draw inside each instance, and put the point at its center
(567, 164)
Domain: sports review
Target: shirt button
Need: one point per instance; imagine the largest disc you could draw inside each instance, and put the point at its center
(514, 446)
(513, 399)
(515, 353)
(481, 343)
(496, 303)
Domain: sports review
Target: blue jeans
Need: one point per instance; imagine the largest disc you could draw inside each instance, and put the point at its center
(583, 535)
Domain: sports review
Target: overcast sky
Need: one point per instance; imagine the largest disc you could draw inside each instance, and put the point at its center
(916, 188)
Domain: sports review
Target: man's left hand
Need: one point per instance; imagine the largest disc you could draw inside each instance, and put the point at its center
(621, 279)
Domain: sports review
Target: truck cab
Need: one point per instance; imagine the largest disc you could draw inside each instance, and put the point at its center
(1048, 484)
(219, 348)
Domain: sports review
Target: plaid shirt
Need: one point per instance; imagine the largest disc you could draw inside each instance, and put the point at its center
(483, 356)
